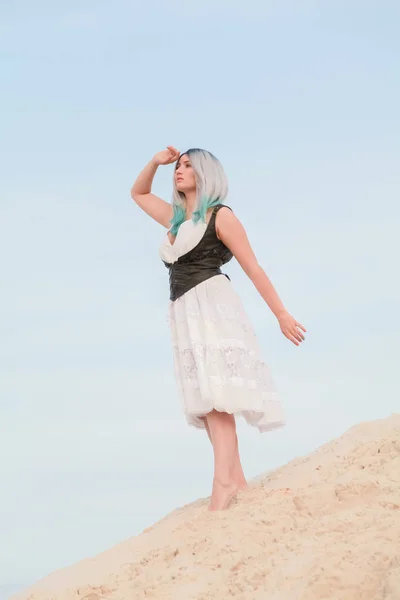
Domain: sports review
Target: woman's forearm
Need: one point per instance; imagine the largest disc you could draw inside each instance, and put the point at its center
(264, 286)
(144, 180)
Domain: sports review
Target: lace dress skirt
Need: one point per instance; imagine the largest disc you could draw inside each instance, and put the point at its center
(217, 359)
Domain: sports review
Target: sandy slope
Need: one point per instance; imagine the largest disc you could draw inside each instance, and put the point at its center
(325, 526)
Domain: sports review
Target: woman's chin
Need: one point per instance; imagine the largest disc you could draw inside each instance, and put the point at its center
(184, 189)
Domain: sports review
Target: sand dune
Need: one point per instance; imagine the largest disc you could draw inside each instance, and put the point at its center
(324, 526)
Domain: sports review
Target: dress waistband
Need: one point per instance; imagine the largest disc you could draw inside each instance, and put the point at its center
(184, 276)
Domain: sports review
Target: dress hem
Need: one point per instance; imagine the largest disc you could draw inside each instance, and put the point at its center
(196, 419)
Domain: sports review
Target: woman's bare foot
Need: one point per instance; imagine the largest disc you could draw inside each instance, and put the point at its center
(222, 495)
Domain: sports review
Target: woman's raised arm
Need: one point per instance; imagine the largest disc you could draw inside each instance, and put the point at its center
(160, 210)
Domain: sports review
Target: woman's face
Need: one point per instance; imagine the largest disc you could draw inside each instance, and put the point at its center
(185, 179)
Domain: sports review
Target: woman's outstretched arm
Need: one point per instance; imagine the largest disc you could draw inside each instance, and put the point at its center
(232, 233)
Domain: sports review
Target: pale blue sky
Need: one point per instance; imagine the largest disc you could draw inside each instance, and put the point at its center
(299, 100)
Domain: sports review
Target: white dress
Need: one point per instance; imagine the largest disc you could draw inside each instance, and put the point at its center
(217, 359)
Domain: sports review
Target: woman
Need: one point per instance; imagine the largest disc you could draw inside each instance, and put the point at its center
(218, 364)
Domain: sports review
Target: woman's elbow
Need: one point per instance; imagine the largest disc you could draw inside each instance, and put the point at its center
(135, 194)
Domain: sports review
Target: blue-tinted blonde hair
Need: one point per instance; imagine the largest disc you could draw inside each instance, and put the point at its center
(211, 187)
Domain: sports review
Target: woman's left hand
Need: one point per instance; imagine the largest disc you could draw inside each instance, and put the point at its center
(291, 328)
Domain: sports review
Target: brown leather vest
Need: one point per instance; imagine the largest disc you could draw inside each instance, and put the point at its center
(201, 262)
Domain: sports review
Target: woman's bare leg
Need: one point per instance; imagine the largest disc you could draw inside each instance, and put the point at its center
(222, 431)
(207, 429)
(237, 473)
